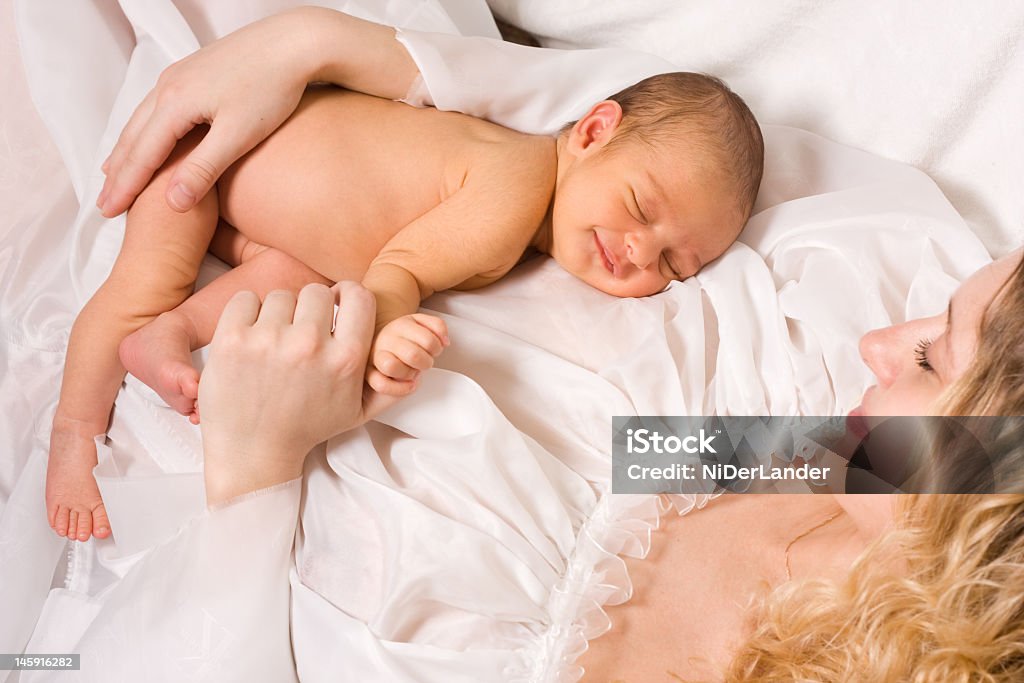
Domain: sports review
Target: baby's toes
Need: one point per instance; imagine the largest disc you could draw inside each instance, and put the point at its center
(100, 523)
(72, 525)
(189, 384)
(60, 520)
(84, 528)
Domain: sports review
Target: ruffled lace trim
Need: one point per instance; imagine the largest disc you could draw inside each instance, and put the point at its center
(596, 577)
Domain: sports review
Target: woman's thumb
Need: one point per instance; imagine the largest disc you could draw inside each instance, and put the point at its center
(199, 171)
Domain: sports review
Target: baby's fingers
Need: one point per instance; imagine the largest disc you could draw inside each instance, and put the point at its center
(436, 326)
(402, 359)
(382, 384)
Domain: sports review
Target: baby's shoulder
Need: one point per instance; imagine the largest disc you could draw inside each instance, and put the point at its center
(517, 166)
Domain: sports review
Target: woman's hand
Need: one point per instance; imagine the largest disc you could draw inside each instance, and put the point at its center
(279, 381)
(245, 85)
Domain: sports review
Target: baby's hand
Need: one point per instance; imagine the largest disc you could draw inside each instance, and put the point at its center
(402, 350)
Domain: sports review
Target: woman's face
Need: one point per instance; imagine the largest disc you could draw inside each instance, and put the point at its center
(916, 361)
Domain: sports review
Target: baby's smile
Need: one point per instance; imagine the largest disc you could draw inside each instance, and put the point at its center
(610, 262)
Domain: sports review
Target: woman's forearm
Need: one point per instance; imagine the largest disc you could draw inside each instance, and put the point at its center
(356, 54)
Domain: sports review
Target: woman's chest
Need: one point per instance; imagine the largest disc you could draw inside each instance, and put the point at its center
(692, 596)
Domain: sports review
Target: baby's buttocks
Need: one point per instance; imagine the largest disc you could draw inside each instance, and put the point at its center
(343, 175)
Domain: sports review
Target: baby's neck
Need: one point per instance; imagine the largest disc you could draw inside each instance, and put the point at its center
(541, 240)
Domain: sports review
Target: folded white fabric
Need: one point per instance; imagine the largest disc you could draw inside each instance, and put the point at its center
(469, 536)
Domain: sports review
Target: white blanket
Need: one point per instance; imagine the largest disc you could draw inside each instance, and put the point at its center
(938, 84)
(469, 540)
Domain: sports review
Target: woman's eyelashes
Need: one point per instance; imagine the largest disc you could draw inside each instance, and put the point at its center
(921, 355)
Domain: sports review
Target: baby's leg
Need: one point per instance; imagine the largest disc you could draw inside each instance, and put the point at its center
(160, 352)
(154, 272)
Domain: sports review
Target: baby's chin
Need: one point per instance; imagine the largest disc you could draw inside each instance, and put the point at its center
(625, 292)
(603, 282)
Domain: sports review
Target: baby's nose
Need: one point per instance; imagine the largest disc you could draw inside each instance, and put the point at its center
(639, 250)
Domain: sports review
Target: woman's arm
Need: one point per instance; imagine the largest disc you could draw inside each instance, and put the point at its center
(226, 84)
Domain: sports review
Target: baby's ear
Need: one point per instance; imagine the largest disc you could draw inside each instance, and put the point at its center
(596, 128)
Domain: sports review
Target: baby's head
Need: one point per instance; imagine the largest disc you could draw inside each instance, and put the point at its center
(654, 183)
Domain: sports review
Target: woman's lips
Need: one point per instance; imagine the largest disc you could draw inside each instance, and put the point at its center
(856, 423)
(606, 256)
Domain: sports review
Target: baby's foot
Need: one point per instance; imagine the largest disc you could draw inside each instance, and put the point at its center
(73, 504)
(159, 354)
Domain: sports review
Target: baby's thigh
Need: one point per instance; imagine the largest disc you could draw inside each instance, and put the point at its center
(304, 191)
(290, 178)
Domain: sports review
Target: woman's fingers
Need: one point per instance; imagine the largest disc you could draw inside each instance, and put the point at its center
(315, 308)
(114, 161)
(356, 312)
(278, 309)
(143, 156)
(240, 312)
(197, 173)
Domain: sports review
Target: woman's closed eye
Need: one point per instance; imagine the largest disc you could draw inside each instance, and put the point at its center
(921, 355)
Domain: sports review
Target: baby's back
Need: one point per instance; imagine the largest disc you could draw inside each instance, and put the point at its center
(347, 172)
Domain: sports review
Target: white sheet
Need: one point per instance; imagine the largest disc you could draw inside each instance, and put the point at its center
(474, 543)
(938, 85)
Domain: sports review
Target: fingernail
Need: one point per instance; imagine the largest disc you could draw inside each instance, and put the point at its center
(106, 165)
(102, 198)
(447, 341)
(180, 198)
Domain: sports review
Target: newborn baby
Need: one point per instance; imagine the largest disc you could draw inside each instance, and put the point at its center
(646, 188)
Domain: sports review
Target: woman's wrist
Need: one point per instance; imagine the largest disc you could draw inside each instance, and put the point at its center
(232, 471)
(301, 30)
(352, 53)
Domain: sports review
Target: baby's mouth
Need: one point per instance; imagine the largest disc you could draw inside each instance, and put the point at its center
(606, 256)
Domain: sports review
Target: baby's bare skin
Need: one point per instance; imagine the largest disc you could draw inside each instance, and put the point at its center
(347, 173)
(410, 201)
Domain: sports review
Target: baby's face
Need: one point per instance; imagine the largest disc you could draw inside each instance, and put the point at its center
(631, 220)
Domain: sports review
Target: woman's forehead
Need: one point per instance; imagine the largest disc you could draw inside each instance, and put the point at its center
(971, 301)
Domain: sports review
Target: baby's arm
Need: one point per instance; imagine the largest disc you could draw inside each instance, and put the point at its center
(471, 239)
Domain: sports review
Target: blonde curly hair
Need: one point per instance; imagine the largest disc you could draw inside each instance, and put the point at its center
(941, 597)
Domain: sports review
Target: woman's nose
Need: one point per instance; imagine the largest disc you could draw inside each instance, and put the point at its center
(877, 350)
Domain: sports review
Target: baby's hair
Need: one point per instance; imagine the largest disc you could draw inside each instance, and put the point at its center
(703, 111)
